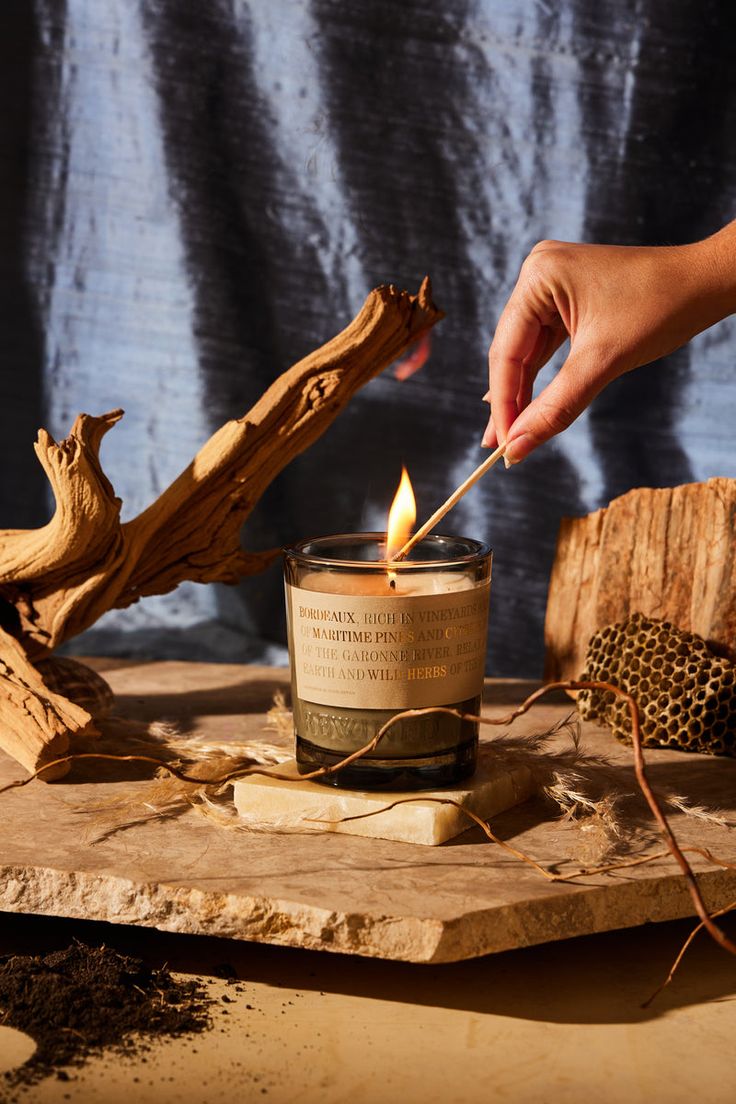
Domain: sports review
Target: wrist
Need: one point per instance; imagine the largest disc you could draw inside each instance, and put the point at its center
(717, 256)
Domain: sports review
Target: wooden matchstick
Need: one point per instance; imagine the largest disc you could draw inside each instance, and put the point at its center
(449, 503)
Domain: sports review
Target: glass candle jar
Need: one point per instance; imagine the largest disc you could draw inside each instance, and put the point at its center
(368, 639)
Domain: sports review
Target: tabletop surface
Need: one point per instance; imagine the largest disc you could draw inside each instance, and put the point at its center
(66, 849)
(556, 1021)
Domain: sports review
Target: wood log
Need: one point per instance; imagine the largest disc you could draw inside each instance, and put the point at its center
(58, 580)
(667, 553)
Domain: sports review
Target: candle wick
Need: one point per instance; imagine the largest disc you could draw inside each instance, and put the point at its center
(392, 584)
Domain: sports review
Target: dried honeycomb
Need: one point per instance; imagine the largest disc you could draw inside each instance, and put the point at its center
(686, 694)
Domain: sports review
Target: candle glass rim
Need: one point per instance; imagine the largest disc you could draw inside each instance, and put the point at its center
(479, 551)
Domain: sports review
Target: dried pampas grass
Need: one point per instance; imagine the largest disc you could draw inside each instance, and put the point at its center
(597, 798)
(164, 795)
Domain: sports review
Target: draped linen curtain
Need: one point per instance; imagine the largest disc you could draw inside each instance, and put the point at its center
(194, 195)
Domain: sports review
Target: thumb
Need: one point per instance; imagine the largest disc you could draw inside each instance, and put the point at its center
(574, 387)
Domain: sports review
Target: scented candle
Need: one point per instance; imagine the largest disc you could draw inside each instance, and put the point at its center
(369, 638)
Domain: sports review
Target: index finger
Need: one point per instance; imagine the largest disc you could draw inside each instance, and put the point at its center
(517, 337)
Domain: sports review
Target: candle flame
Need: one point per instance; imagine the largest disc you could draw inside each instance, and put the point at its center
(401, 516)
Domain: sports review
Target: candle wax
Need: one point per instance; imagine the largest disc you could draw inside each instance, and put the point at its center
(368, 584)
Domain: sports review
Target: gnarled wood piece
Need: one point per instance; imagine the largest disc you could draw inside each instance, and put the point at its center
(58, 580)
(666, 553)
(45, 573)
(35, 722)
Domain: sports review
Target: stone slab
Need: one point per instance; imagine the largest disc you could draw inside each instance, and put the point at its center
(403, 816)
(60, 854)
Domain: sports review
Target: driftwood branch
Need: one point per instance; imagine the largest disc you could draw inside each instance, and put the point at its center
(58, 580)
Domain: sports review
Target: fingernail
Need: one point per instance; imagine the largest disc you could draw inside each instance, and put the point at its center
(487, 397)
(517, 449)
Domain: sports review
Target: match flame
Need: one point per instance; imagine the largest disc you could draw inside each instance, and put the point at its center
(401, 516)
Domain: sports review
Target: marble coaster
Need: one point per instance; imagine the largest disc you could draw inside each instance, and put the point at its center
(308, 806)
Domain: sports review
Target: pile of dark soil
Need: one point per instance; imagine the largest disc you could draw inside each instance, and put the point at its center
(83, 1000)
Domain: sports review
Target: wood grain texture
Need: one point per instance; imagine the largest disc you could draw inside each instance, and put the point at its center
(36, 723)
(57, 580)
(667, 553)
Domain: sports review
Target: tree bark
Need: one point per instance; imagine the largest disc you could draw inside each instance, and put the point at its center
(666, 553)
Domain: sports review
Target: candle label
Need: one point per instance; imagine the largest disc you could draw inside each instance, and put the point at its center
(363, 652)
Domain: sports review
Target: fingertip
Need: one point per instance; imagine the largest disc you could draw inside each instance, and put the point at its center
(518, 449)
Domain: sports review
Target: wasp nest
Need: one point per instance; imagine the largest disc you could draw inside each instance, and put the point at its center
(686, 694)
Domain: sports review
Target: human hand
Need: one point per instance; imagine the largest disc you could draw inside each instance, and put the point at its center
(621, 307)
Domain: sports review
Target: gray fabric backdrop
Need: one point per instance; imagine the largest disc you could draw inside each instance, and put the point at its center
(194, 195)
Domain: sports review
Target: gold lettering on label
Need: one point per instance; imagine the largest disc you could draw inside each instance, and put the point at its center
(426, 673)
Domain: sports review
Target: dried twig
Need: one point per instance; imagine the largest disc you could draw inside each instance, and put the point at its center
(640, 770)
(482, 824)
(681, 953)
